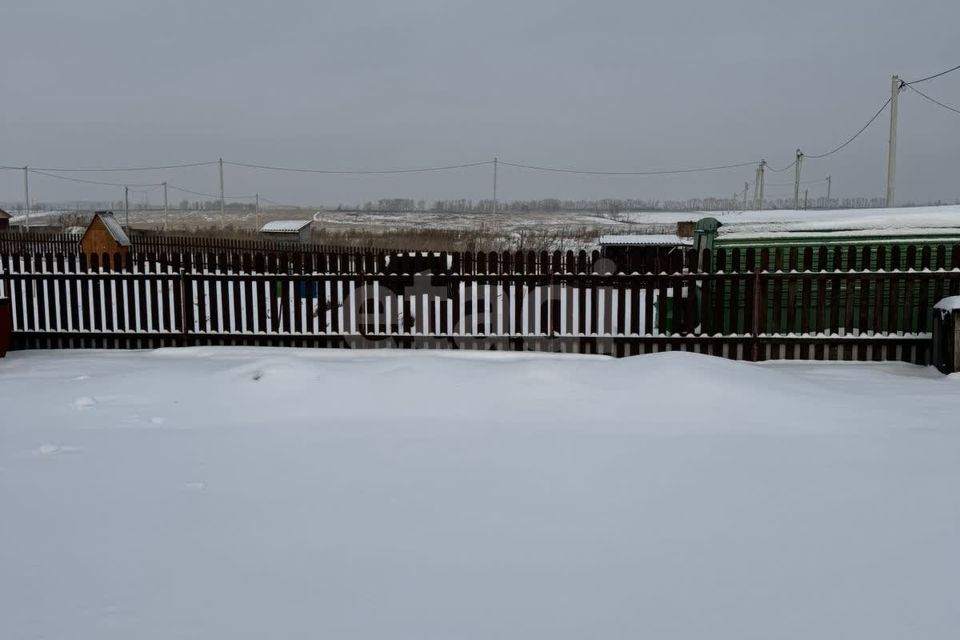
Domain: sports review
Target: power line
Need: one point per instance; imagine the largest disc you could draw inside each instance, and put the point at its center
(658, 172)
(357, 172)
(854, 137)
(933, 100)
(789, 166)
(936, 75)
(111, 169)
(106, 184)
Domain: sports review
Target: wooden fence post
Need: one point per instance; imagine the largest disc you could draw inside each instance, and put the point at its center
(755, 346)
(183, 307)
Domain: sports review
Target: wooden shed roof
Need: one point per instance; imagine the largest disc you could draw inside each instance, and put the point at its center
(113, 227)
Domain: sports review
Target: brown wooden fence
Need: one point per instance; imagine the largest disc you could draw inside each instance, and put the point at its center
(473, 302)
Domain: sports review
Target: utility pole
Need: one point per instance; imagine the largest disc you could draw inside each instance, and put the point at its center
(756, 186)
(895, 86)
(165, 209)
(126, 207)
(256, 198)
(495, 186)
(805, 194)
(829, 185)
(222, 212)
(796, 180)
(746, 188)
(763, 172)
(26, 197)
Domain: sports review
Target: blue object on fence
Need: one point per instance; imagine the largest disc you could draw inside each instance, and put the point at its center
(314, 290)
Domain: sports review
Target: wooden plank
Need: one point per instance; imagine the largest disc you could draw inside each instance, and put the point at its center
(95, 293)
(925, 287)
(849, 291)
(302, 293)
(776, 292)
(691, 303)
(63, 317)
(721, 296)
(38, 293)
(663, 307)
(735, 324)
(283, 292)
(749, 293)
(677, 320)
(707, 301)
(836, 291)
(806, 291)
(50, 293)
(72, 267)
(908, 310)
(214, 304)
(940, 261)
(151, 268)
(108, 304)
(894, 301)
(261, 294)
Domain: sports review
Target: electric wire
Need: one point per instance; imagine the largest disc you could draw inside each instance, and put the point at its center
(852, 138)
(936, 75)
(84, 181)
(933, 100)
(657, 172)
(250, 165)
(767, 167)
(184, 165)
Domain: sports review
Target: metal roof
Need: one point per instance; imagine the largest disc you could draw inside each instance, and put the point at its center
(644, 240)
(285, 226)
(114, 229)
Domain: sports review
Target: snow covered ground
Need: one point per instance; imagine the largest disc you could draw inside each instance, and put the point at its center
(887, 218)
(258, 493)
(938, 219)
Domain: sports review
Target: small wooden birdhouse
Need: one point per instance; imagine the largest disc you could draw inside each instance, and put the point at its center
(104, 235)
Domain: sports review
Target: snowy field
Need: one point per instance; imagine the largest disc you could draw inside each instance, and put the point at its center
(225, 493)
(938, 219)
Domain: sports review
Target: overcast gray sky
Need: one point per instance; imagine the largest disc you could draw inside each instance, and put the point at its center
(610, 85)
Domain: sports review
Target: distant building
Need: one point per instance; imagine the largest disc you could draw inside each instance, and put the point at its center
(104, 235)
(287, 230)
(4, 220)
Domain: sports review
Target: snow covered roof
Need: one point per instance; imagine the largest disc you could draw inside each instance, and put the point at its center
(285, 226)
(114, 228)
(3, 214)
(645, 240)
